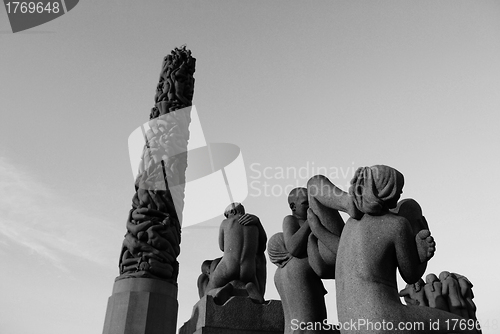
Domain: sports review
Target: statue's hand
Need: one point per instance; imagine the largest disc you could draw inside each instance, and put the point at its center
(248, 219)
(426, 245)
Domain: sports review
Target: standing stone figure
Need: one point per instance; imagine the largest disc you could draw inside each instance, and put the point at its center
(243, 265)
(299, 286)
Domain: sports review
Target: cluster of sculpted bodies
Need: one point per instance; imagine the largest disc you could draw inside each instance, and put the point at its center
(381, 236)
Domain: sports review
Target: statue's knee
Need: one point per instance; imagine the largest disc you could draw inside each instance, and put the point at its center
(316, 179)
(315, 183)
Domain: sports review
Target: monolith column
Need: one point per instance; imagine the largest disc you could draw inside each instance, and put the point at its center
(144, 298)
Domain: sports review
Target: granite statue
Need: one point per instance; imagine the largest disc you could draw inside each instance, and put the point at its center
(301, 290)
(151, 244)
(376, 242)
(242, 269)
(145, 293)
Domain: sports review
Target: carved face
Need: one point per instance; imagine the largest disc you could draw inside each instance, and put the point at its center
(300, 205)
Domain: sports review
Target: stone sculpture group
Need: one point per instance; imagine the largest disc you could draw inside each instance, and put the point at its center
(383, 235)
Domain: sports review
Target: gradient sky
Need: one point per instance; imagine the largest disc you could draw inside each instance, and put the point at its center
(298, 86)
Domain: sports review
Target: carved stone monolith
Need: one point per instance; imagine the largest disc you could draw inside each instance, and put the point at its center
(144, 296)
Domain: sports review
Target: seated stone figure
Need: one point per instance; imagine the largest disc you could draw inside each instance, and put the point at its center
(375, 243)
(243, 241)
(300, 288)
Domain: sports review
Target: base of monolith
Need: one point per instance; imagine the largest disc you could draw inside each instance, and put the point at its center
(239, 315)
(142, 306)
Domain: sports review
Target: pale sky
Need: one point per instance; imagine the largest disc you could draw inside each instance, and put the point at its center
(323, 86)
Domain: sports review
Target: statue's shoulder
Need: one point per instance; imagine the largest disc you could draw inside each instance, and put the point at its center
(396, 223)
(400, 220)
(225, 222)
(290, 219)
(389, 219)
(231, 220)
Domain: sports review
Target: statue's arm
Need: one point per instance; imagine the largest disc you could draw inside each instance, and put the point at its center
(295, 236)
(408, 260)
(248, 220)
(262, 238)
(221, 236)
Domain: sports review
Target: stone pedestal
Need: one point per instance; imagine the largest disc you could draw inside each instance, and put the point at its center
(142, 306)
(239, 315)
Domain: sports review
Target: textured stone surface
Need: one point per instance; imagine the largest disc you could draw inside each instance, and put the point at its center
(141, 306)
(151, 244)
(144, 299)
(239, 315)
(376, 242)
